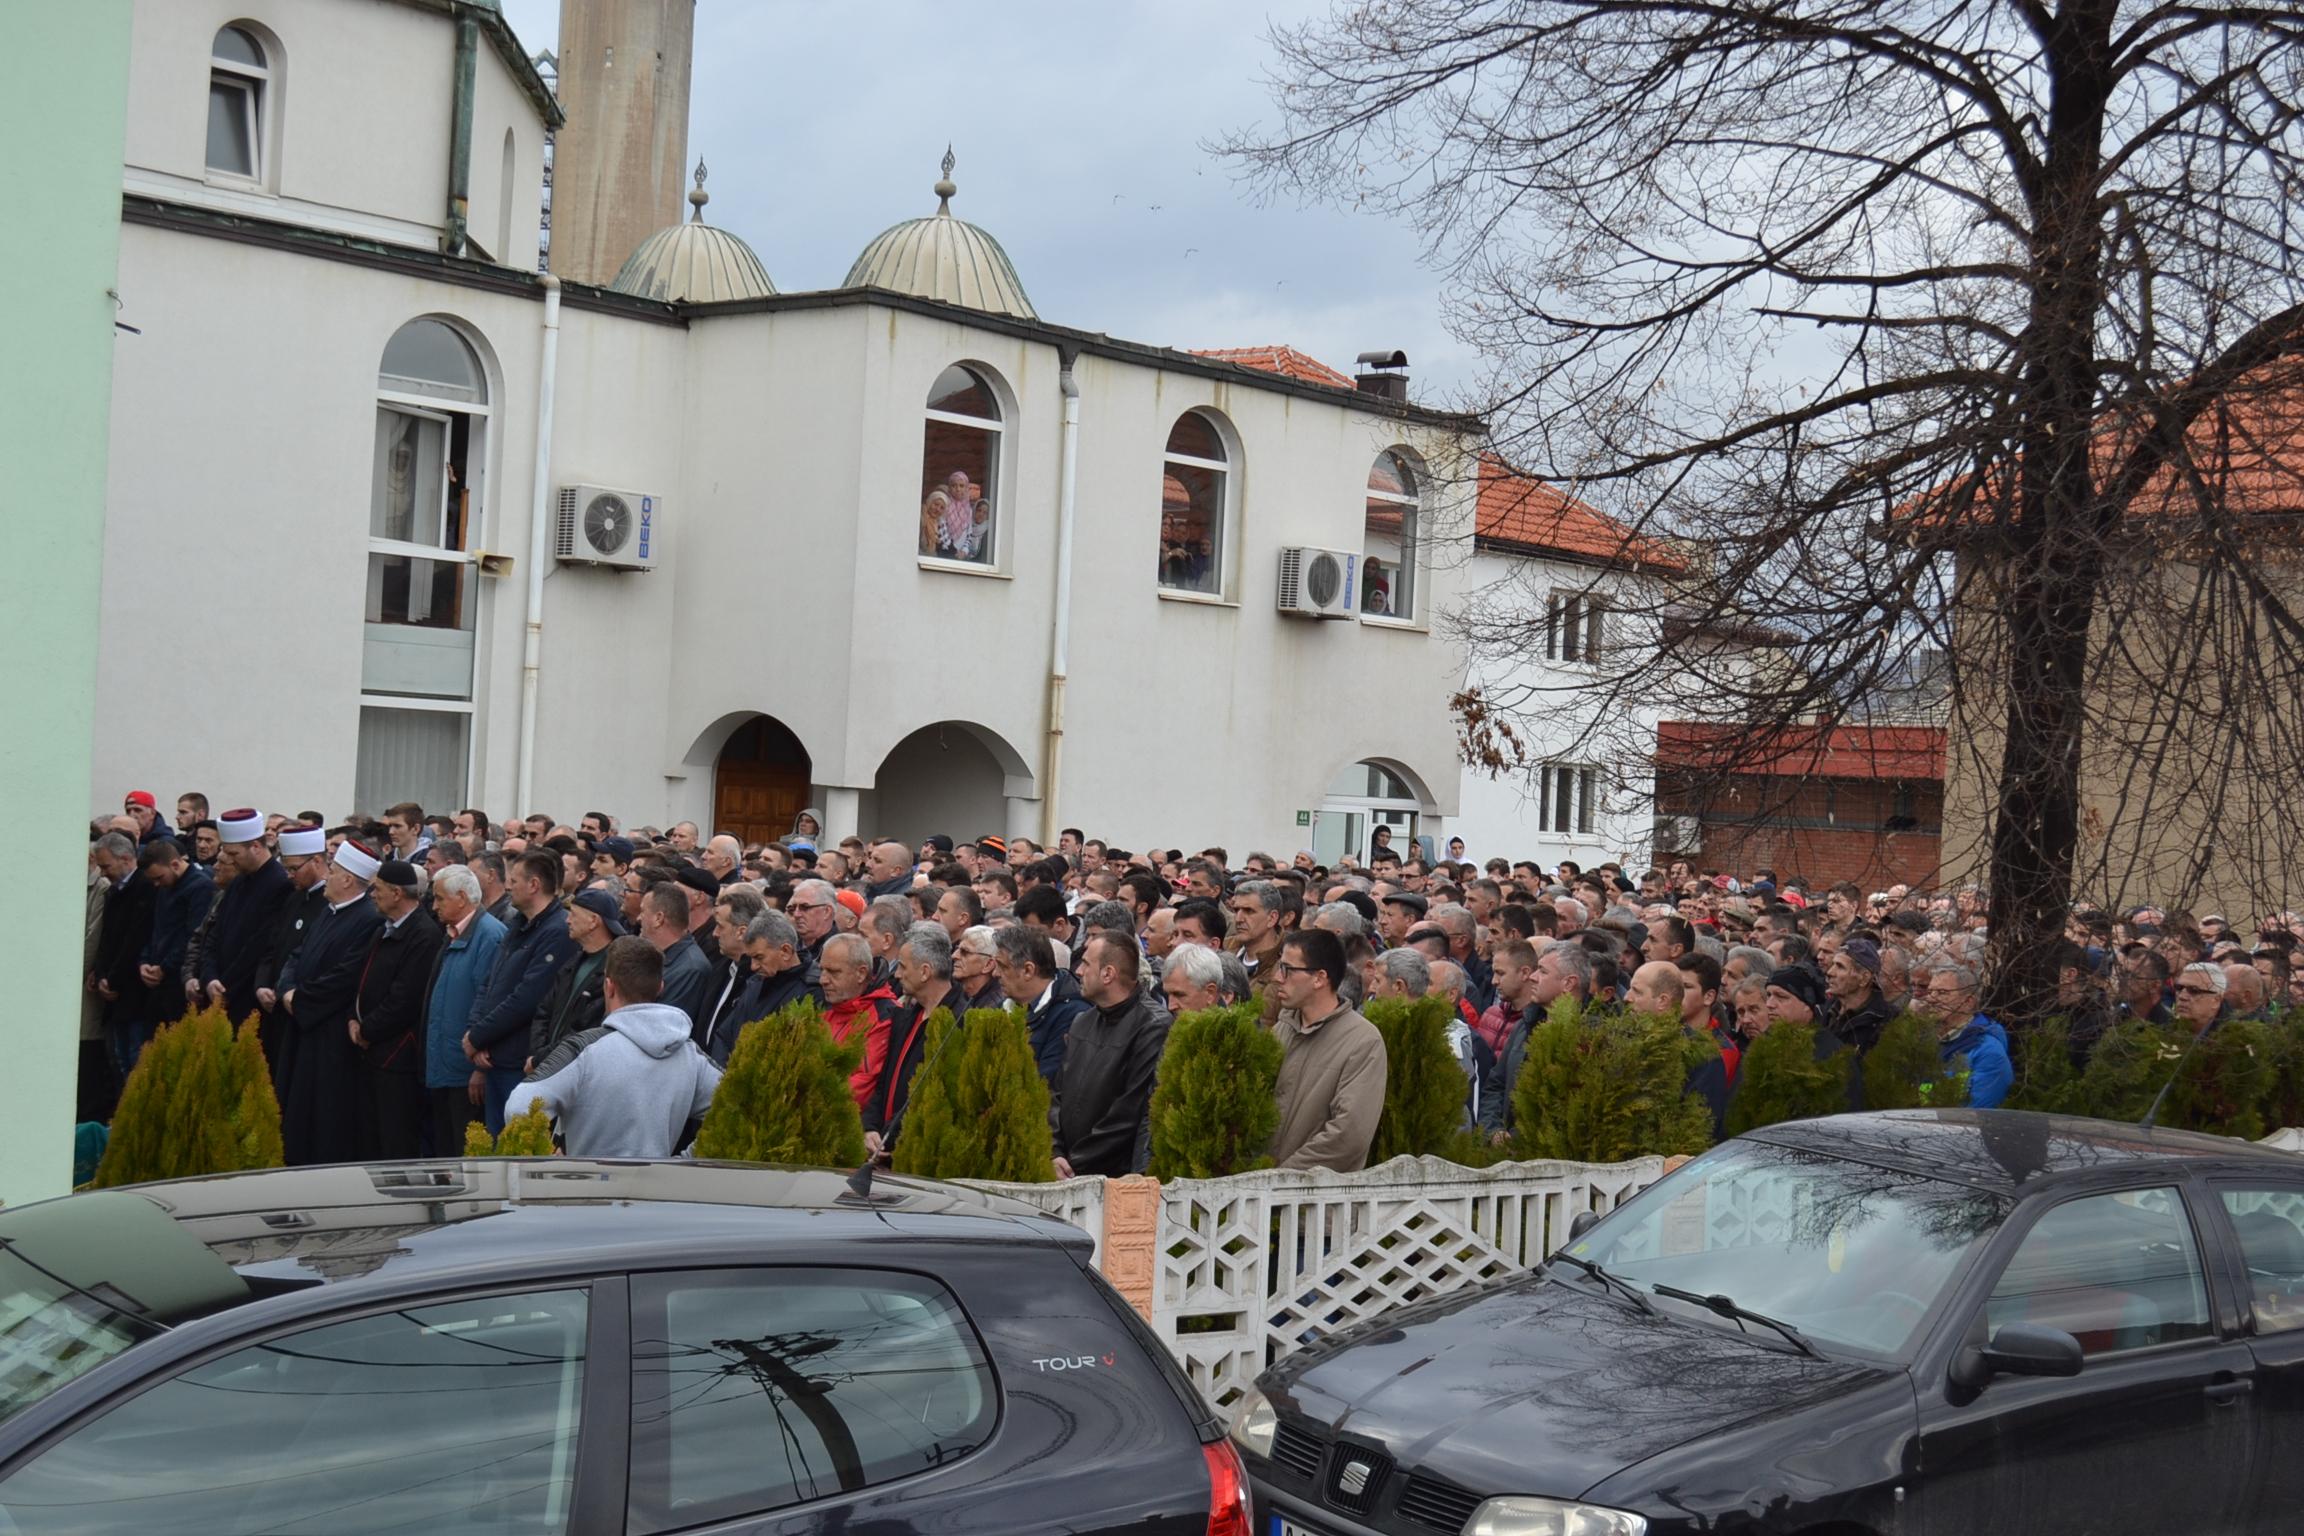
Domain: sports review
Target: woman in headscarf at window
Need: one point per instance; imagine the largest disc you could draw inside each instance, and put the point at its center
(932, 522)
(959, 535)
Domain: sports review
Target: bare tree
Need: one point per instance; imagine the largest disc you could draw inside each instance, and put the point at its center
(1965, 324)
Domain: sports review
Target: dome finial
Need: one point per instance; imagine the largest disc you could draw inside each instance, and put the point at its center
(944, 189)
(699, 197)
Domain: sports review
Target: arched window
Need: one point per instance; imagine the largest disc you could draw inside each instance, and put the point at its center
(424, 508)
(1388, 540)
(1194, 483)
(239, 81)
(960, 470)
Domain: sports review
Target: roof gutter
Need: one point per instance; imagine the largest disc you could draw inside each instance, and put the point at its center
(1060, 644)
(539, 549)
(454, 230)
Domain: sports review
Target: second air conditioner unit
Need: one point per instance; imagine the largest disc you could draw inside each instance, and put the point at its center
(623, 530)
(1316, 583)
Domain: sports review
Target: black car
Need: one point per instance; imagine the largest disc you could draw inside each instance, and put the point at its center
(583, 1347)
(1930, 1322)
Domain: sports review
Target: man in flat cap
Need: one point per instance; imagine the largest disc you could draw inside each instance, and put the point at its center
(322, 1113)
(388, 1015)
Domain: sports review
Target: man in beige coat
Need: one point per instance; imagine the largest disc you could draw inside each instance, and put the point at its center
(1331, 1087)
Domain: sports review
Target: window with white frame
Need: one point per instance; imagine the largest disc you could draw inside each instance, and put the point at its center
(1195, 483)
(960, 469)
(1389, 539)
(239, 80)
(422, 596)
(1567, 798)
(1573, 625)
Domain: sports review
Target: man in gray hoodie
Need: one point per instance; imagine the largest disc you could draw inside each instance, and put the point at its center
(634, 1084)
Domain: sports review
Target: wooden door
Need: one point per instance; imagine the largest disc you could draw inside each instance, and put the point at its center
(760, 783)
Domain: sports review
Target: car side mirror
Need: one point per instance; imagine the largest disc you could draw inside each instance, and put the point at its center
(2019, 1349)
(1581, 1223)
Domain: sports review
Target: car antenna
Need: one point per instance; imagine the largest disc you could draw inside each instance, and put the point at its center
(860, 1182)
(2161, 1097)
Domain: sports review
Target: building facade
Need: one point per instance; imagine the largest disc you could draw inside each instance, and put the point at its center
(911, 556)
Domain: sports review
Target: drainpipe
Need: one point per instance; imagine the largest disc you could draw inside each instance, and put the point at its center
(539, 546)
(454, 232)
(1060, 652)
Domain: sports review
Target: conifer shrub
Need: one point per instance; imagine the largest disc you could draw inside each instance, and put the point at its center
(2227, 1087)
(1606, 1088)
(1905, 1069)
(2045, 1077)
(978, 1108)
(528, 1134)
(1779, 1079)
(199, 1101)
(1216, 1107)
(784, 1097)
(2284, 1105)
(1424, 1088)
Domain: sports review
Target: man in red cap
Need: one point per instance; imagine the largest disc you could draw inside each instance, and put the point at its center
(140, 807)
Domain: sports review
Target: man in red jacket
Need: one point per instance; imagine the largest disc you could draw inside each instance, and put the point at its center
(853, 1004)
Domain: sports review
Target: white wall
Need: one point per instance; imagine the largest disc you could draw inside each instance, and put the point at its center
(787, 447)
(1559, 719)
(357, 123)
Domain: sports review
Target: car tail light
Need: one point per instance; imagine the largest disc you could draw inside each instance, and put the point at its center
(1227, 1491)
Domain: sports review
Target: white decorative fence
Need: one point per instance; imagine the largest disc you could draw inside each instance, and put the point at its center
(1240, 1271)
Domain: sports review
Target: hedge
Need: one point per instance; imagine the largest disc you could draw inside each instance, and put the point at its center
(784, 1097)
(978, 1108)
(1217, 1107)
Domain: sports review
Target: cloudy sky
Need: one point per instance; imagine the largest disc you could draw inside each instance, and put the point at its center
(1079, 133)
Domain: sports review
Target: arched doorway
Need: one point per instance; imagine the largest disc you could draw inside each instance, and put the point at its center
(1362, 798)
(953, 777)
(759, 782)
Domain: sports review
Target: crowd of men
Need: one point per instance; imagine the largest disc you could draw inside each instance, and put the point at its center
(414, 973)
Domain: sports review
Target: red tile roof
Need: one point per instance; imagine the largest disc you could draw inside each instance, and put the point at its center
(1809, 752)
(1285, 361)
(1523, 513)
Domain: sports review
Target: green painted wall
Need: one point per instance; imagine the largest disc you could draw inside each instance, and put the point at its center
(63, 112)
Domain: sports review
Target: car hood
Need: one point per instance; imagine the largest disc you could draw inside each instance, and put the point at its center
(1545, 1385)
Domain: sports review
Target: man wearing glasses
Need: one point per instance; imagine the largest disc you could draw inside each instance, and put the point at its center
(1961, 1031)
(2200, 992)
(1331, 1086)
(811, 912)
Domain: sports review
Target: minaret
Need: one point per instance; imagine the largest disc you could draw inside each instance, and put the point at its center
(620, 165)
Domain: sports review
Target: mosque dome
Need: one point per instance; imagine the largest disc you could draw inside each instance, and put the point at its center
(694, 263)
(945, 259)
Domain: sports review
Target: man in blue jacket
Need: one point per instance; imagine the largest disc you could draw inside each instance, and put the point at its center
(455, 1087)
(183, 893)
(527, 963)
(1025, 962)
(1950, 999)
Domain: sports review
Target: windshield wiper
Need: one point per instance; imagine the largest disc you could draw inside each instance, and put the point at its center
(1638, 1297)
(1728, 1307)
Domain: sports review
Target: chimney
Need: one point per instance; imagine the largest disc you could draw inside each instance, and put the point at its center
(1384, 374)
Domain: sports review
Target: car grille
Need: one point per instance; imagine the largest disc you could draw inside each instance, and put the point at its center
(1296, 1450)
(1442, 1506)
(1355, 1478)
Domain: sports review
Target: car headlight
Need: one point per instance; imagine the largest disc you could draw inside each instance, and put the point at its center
(1254, 1424)
(1522, 1515)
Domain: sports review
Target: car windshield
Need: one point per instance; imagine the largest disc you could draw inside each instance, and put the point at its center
(1851, 1255)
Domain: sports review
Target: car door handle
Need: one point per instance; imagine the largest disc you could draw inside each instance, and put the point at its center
(2228, 1391)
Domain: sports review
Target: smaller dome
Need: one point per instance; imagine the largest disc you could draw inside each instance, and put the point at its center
(945, 259)
(693, 263)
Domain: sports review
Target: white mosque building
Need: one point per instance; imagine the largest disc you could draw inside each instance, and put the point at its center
(393, 516)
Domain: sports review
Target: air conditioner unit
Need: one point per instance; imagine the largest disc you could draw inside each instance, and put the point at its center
(623, 530)
(1316, 583)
